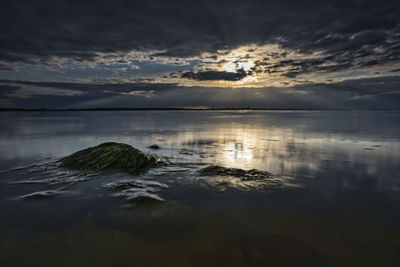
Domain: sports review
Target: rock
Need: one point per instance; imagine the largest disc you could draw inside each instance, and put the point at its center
(223, 178)
(252, 174)
(155, 146)
(185, 151)
(111, 157)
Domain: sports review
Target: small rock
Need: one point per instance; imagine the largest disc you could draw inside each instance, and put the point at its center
(253, 174)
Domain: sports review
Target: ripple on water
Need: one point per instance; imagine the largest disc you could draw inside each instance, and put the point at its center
(218, 177)
(42, 194)
(137, 189)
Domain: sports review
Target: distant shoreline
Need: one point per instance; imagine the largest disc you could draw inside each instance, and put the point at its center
(186, 109)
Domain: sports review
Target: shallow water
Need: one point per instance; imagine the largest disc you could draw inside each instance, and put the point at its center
(335, 199)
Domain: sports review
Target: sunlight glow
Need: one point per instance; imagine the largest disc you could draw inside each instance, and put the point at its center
(238, 65)
(246, 80)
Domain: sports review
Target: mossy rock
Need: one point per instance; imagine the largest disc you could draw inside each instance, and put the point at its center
(111, 157)
(252, 174)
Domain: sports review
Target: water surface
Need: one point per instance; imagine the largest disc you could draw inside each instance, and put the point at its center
(337, 205)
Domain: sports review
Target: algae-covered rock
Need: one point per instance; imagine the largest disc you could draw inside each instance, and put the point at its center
(224, 178)
(252, 174)
(111, 157)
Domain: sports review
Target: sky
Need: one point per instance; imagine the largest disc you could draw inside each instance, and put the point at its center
(200, 54)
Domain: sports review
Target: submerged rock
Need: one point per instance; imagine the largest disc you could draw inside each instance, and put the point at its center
(252, 174)
(111, 157)
(155, 146)
(223, 178)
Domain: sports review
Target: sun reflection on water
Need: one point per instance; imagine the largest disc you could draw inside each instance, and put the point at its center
(238, 151)
(279, 150)
(272, 142)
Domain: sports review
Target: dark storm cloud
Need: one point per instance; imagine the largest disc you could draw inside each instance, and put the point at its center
(37, 31)
(214, 75)
(326, 36)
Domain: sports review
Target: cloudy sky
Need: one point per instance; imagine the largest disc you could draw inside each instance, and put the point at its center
(262, 54)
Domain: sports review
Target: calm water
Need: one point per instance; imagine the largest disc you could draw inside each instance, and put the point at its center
(338, 204)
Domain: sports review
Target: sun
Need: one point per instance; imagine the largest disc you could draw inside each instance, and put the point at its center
(238, 65)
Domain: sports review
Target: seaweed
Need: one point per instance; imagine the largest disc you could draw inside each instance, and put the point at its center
(111, 156)
(252, 174)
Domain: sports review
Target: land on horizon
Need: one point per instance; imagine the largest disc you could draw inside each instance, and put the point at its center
(190, 109)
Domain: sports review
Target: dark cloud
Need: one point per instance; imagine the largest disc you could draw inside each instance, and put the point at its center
(329, 35)
(6, 67)
(357, 93)
(6, 89)
(37, 31)
(214, 75)
(89, 87)
(354, 88)
(334, 62)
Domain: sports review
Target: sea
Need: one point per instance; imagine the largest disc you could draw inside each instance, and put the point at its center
(331, 196)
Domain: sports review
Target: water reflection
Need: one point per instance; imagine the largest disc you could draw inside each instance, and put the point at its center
(357, 147)
(346, 164)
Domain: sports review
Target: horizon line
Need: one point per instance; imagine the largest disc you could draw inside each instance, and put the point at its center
(188, 109)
